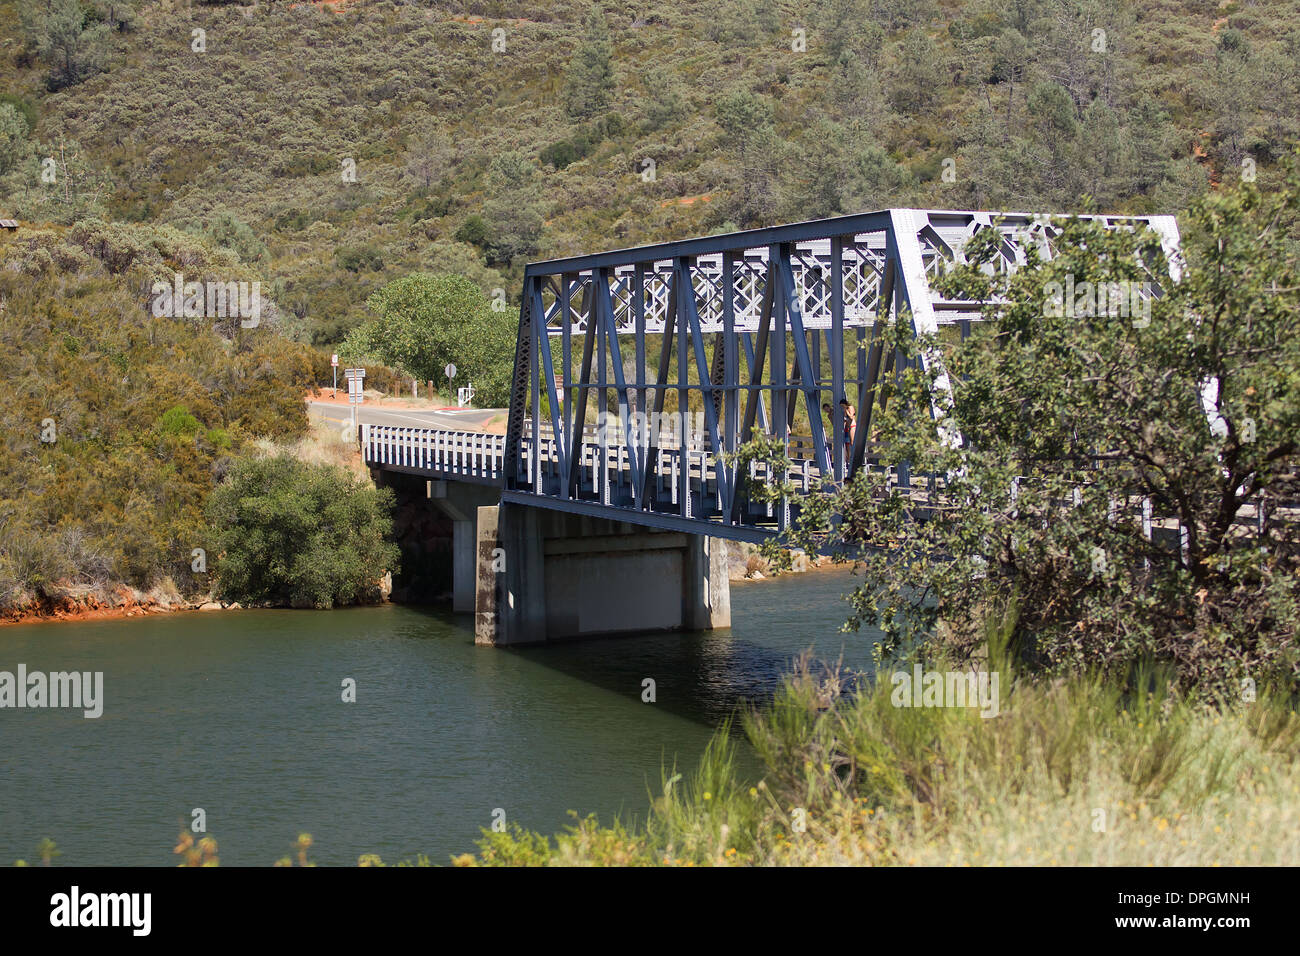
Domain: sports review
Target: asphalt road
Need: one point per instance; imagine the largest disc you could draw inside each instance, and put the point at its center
(468, 419)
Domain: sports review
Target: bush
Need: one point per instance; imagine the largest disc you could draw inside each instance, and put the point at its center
(178, 422)
(851, 777)
(368, 258)
(473, 231)
(557, 155)
(297, 534)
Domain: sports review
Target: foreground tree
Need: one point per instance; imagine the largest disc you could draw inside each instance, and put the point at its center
(1124, 489)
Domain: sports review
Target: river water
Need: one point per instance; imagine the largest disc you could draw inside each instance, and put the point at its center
(241, 714)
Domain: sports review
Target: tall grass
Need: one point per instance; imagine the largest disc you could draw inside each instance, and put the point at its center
(1072, 771)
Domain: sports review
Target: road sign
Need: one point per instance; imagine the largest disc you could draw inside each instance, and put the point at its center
(450, 370)
(334, 360)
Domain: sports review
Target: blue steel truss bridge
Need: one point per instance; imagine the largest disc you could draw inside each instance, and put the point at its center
(638, 372)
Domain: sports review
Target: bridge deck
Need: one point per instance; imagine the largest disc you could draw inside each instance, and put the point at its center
(683, 482)
(683, 492)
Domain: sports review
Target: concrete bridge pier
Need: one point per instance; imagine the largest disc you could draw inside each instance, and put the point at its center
(436, 526)
(461, 503)
(546, 575)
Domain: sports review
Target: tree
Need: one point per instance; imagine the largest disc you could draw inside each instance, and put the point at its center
(425, 322)
(894, 14)
(512, 212)
(306, 535)
(742, 113)
(428, 159)
(1103, 507)
(473, 231)
(746, 122)
(228, 230)
(734, 23)
(665, 100)
(59, 32)
(590, 76)
(1226, 91)
(840, 170)
(58, 183)
(1053, 141)
(918, 73)
(13, 138)
(843, 23)
(1108, 165)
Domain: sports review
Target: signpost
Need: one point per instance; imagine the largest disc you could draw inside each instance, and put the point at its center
(334, 363)
(451, 373)
(356, 378)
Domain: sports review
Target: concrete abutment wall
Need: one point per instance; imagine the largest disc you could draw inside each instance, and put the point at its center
(548, 575)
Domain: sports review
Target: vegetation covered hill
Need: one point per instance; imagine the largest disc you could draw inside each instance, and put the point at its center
(358, 142)
(328, 151)
(116, 424)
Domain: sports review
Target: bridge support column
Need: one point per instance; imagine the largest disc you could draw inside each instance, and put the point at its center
(460, 502)
(706, 584)
(464, 584)
(548, 575)
(509, 603)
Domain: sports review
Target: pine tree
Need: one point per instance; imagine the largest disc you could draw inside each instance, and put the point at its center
(590, 77)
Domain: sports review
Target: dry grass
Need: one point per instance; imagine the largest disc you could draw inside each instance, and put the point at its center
(324, 444)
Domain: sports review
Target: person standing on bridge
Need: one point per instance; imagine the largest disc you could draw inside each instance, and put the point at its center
(850, 425)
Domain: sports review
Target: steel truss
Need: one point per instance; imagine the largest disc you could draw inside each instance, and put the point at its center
(739, 329)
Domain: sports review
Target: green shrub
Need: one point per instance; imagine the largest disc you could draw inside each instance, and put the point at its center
(218, 438)
(1080, 771)
(178, 421)
(473, 231)
(368, 258)
(305, 535)
(557, 155)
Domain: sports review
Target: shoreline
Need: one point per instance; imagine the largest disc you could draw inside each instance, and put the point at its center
(120, 602)
(125, 602)
(72, 610)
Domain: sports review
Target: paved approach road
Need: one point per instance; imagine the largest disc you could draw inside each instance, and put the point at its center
(466, 419)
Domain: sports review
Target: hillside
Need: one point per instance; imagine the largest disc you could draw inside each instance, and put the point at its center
(326, 150)
(484, 134)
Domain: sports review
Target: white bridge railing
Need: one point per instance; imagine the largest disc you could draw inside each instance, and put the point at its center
(604, 472)
(470, 454)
